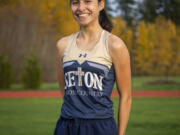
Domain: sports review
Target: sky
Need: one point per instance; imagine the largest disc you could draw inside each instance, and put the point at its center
(114, 5)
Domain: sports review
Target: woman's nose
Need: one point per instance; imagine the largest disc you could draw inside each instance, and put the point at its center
(81, 6)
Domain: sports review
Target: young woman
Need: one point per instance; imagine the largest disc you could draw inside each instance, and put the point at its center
(91, 60)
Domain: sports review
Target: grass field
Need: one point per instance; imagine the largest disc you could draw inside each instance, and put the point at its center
(138, 83)
(149, 116)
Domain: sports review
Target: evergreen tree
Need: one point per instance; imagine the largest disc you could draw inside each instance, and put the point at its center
(31, 73)
(6, 72)
(128, 10)
(168, 8)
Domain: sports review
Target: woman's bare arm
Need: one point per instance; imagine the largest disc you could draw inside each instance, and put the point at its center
(60, 46)
(121, 60)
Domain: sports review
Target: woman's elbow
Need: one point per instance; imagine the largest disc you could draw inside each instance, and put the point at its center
(126, 97)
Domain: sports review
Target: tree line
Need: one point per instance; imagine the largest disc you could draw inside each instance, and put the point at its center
(28, 26)
(134, 11)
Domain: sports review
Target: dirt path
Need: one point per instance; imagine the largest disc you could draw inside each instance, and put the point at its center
(56, 94)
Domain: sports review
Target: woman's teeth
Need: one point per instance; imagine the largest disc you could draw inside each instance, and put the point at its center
(83, 15)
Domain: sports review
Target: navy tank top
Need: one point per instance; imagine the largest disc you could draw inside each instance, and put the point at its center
(89, 79)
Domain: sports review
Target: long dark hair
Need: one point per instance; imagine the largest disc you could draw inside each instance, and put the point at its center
(104, 20)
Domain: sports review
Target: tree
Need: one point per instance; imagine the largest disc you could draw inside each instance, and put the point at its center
(165, 34)
(31, 73)
(128, 10)
(123, 31)
(57, 13)
(175, 68)
(6, 72)
(167, 8)
(6, 2)
(145, 51)
(157, 48)
(148, 10)
(33, 25)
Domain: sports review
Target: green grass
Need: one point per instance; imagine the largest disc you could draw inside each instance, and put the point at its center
(44, 87)
(149, 116)
(138, 83)
(28, 116)
(154, 116)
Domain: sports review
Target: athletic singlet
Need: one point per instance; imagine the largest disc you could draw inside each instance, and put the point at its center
(89, 79)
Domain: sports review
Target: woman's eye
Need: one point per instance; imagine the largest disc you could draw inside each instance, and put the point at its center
(87, 1)
(75, 2)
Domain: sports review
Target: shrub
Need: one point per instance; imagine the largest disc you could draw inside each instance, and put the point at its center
(31, 73)
(6, 73)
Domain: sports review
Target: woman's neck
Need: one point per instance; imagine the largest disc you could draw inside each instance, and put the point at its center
(91, 31)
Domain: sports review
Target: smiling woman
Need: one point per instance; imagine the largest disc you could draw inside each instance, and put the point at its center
(90, 61)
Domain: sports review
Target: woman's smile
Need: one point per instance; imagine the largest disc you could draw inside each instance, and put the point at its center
(83, 15)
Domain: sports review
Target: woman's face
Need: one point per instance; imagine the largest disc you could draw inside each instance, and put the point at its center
(86, 11)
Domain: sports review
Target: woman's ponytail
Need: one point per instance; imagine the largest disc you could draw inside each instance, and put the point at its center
(104, 20)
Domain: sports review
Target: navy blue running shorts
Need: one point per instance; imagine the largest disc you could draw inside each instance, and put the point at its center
(78, 126)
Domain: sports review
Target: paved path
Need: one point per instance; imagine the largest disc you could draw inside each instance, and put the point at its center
(56, 94)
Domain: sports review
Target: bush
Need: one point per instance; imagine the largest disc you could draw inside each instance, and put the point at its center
(31, 73)
(6, 73)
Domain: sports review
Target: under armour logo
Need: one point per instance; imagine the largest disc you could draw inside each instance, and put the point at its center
(80, 55)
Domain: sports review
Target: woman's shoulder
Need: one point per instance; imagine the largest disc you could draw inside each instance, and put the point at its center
(116, 45)
(115, 42)
(62, 42)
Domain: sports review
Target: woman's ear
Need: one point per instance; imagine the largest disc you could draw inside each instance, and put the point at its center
(102, 4)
